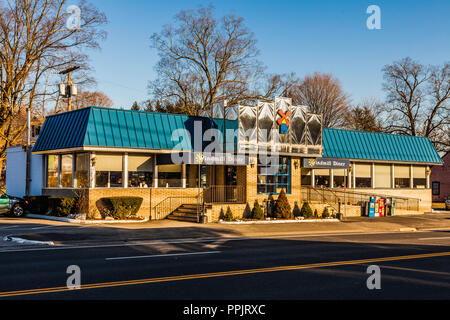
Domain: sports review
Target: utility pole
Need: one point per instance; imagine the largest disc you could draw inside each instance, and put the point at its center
(69, 90)
(28, 154)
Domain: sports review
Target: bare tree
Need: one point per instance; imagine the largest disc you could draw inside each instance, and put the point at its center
(35, 43)
(203, 60)
(363, 116)
(88, 98)
(323, 94)
(418, 100)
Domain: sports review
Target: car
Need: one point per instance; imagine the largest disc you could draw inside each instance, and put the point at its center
(12, 206)
(447, 203)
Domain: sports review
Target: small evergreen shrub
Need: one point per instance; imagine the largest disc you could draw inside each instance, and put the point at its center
(325, 213)
(316, 214)
(257, 212)
(306, 211)
(282, 207)
(228, 215)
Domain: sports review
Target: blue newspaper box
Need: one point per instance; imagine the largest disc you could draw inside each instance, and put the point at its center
(372, 207)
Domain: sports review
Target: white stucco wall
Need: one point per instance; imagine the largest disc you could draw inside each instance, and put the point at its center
(16, 172)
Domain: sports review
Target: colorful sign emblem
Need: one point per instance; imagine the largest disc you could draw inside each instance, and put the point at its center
(284, 122)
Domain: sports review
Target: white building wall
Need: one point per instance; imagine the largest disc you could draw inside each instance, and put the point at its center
(16, 172)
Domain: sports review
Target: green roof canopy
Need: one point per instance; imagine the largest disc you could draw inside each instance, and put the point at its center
(126, 129)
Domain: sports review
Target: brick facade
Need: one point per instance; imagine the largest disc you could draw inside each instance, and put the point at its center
(441, 174)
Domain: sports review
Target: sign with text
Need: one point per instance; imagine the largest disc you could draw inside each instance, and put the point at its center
(326, 163)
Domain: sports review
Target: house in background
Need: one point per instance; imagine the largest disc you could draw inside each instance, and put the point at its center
(440, 179)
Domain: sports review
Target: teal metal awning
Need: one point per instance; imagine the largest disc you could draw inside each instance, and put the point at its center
(362, 145)
(123, 129)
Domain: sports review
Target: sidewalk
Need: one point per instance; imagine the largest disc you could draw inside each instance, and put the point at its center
(167, 229)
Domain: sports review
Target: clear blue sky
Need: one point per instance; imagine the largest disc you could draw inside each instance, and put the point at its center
(293, 36)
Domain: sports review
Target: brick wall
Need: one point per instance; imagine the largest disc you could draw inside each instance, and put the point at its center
(441, 174)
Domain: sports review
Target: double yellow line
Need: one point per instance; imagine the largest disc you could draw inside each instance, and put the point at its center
(220, 274)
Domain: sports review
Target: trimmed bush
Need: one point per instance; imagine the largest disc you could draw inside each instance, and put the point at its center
(325, 213)
(282, 207)
(121, 208)
(316, 214)
(306, 211)
(61, 207)
(257, 212)
(228, 215)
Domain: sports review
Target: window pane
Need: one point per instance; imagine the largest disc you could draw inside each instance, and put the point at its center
(363, 182)
(363, 170)
(107, 162)
(419, 172)
(382, 176)
(66, 170)
(81, 170)
(306, 177)
(138, 179)
(401, 171)
(101, 179)
(115, 179)
(402, 182)
(52, 171)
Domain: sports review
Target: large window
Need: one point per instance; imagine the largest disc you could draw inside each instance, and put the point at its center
(322, 177)
(169, 175)
(140, 171)
(274, 177)
(401, 176)
(81, 170)
(340, 178)
(52, 171)
(108, 171)
(363, 176)
(383, 177)
(419, 177)
(66, 170)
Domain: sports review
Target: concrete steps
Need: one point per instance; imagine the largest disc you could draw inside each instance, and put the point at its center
(186, 212)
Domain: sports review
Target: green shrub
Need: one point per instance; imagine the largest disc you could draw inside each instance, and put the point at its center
(316, 214)
(306, 211)
(121, 208)
(61, 206)
(257, 212)
(282, 207)
(228, 215)
(325, 213)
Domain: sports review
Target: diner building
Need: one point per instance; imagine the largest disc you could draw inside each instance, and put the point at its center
(229, 156)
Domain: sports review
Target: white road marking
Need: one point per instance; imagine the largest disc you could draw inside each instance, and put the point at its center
(163, 255)
(9, 227)
(435, 238)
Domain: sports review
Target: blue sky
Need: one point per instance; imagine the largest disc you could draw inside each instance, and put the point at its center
(293, 36)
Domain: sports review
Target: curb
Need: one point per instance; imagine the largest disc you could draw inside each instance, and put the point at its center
(25, 241)
(279, 221)
(38, 216)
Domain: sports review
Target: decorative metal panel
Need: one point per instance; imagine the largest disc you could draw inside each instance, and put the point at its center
(247, 127)
(231, 113)
(265, 122)
(217, 110)
(314, 125)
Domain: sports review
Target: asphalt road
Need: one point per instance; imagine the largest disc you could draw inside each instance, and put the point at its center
(413, 265)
